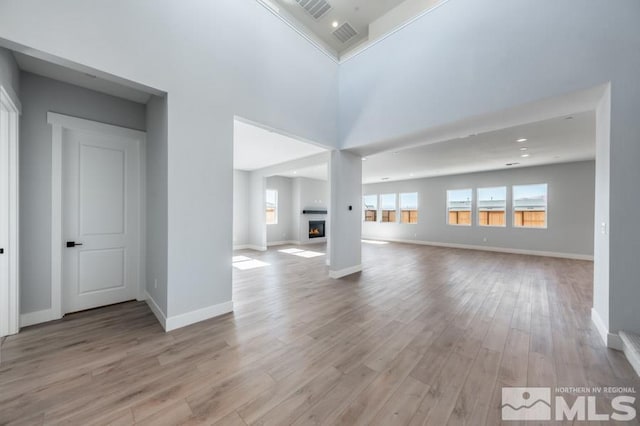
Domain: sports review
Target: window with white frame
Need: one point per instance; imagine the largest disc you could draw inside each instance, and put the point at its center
(530, 206)
(492, 206)
(370, 208)
(409, 207)
(459, 206)
(388, 208)
(272, 206)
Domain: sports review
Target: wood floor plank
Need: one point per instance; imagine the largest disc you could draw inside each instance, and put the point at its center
(423, 335)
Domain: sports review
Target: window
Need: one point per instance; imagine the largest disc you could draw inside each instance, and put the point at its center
(370, 208)
(272, 207)
(409, 207)
(459, 206)
(530, 206)
(388, 207)
(492, 206)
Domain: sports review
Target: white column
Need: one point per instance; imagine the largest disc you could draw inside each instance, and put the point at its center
(345, 214)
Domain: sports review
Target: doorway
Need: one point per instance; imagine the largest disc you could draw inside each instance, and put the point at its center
(9, 254)
(97, 215)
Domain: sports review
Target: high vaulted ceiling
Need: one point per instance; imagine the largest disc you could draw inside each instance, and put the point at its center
(344, 24)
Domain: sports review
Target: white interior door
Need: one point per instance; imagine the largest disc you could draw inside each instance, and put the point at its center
(4, 217)
(100, 219)
(9, 300)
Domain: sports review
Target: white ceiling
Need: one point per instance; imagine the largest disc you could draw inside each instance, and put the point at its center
(57, 72)
(320, 172)
(557, 140)
(256, 148)
(358, 13)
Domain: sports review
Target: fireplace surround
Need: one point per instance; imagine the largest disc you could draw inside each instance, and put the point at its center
(316, 228)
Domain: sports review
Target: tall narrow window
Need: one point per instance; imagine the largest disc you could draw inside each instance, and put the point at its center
(459, 206)
(409, 207)
(492, 206)
(388, 208)
(370, 208)
(272, 206)
(530, 206)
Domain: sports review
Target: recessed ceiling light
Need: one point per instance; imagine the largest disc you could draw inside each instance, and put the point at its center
(524, 148)
(364, 158)
(295, 173)
(524, 155)
(521, 140)
(334, 24)
(411, 174)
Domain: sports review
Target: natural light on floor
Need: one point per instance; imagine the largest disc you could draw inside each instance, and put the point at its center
(301, 253)
(375, 242)
(243, 263)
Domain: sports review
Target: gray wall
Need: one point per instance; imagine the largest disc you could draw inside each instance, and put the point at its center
(479, 58)
(157, 202)
(240, 207)
(9, 73)
(283, 230)
(40, 95)
(571, 189)
(232, 58)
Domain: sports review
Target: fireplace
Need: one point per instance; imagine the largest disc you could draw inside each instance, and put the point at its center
(316, 228)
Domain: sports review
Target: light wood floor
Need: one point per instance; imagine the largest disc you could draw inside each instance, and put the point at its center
(423, 336)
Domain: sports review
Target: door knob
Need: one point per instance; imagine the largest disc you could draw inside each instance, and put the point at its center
(73, 244)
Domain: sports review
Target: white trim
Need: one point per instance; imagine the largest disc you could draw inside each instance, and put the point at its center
(157, 311)
(282, 243)
(631, 349)
(75, 123)
(10, 296)
(183, 320)
(318, 44)
(610, 340)
(573, 256)
(13, 98)
(358, 49)
(344, 272)
(37, 317)
(249, 247)
(58, 123)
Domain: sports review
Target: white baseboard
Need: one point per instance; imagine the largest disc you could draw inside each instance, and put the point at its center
(631, 349)
(344, 272)
(183, 320)
(573, 256)
(282, 243)
(611, 340)
(157, 311)
(249, 247)
(38, 317)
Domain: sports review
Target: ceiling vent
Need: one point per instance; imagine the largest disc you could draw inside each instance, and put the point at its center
(345, 33)
(315, 8)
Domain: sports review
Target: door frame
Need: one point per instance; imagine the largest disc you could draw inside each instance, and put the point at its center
(10, 296)
(59, 122)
